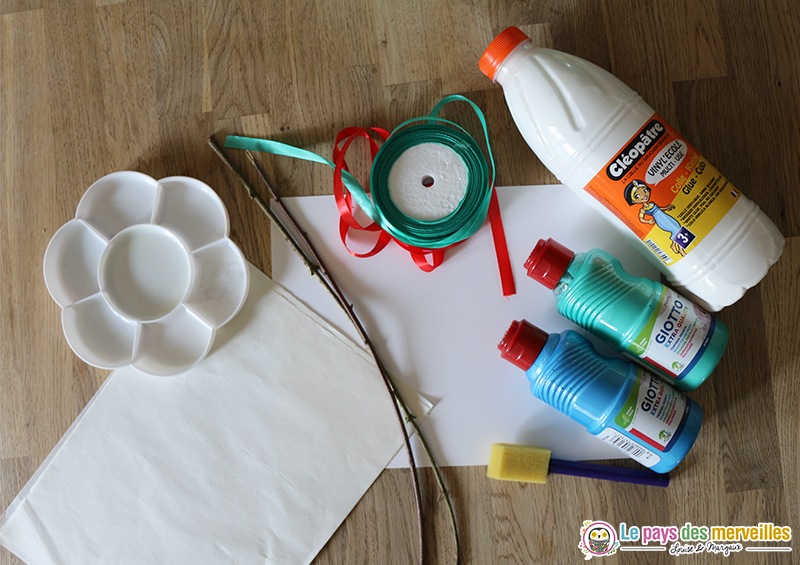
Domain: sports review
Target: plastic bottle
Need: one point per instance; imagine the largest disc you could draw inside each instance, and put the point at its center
(636, 412)
(643, 319)
(599, 138)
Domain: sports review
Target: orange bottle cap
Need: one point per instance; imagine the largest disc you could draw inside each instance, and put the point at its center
(499, 49)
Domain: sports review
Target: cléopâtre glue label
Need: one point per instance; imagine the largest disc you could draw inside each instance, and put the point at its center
(663, 190)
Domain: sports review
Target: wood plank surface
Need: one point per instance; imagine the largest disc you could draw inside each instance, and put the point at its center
(88, 87)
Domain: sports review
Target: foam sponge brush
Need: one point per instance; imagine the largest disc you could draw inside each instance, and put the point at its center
(509, 462)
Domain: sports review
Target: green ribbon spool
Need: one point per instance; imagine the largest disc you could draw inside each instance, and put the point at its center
(470, 212)
(457, 226)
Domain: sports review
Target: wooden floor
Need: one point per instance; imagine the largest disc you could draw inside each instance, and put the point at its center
(87, 88)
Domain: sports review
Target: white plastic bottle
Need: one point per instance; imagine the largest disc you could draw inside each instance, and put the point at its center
(599, 138)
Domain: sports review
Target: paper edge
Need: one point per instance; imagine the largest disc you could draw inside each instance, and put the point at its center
(45, 464)
(16, 551)
(421, 404)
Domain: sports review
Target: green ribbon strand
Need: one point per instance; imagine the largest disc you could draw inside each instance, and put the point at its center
(278, 148)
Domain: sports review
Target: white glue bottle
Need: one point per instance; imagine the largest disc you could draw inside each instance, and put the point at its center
(599, 138)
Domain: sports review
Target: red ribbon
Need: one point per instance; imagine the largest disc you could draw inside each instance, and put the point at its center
(500, 246)
(420, 256)
(344, 200)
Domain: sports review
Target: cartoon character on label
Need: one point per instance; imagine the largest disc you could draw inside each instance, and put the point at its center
(638, 192)
(598, 539)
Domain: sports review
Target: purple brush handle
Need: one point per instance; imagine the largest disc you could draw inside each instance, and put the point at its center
(606, 473)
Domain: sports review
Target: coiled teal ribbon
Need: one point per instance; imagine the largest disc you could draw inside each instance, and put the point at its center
(470, 213)
(419, 236)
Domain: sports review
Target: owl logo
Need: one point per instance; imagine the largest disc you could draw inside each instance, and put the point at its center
(598, 539)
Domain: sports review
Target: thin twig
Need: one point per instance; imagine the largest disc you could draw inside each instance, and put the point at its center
(317, 267)
(354, 319)
(410, 418)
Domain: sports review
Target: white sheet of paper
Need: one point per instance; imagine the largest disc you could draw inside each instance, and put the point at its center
(254, 456)
(439, 331)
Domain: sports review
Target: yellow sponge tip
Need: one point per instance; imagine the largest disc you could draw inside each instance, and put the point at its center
(509, 462)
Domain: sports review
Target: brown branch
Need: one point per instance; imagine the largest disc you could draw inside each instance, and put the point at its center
(316, 267)
(315, 258)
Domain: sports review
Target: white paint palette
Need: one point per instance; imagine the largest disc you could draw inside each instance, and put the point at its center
(146, 273)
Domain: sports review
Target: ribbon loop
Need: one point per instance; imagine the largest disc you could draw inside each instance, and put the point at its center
(381, 242)
(343, 198)
(421, 259)
(422, 238)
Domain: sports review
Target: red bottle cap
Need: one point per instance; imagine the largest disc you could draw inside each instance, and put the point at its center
(522, 344)
(499, 49)
(548, 262)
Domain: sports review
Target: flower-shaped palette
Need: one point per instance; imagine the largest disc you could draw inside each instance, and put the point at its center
(145, 273)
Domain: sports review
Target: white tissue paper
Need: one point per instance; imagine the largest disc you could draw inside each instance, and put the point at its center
(254, 456)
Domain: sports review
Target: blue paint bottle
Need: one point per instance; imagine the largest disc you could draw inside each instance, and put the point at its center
(617, 401)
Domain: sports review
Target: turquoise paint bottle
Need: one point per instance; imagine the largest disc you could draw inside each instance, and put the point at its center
(621, 404)
(651, 324)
